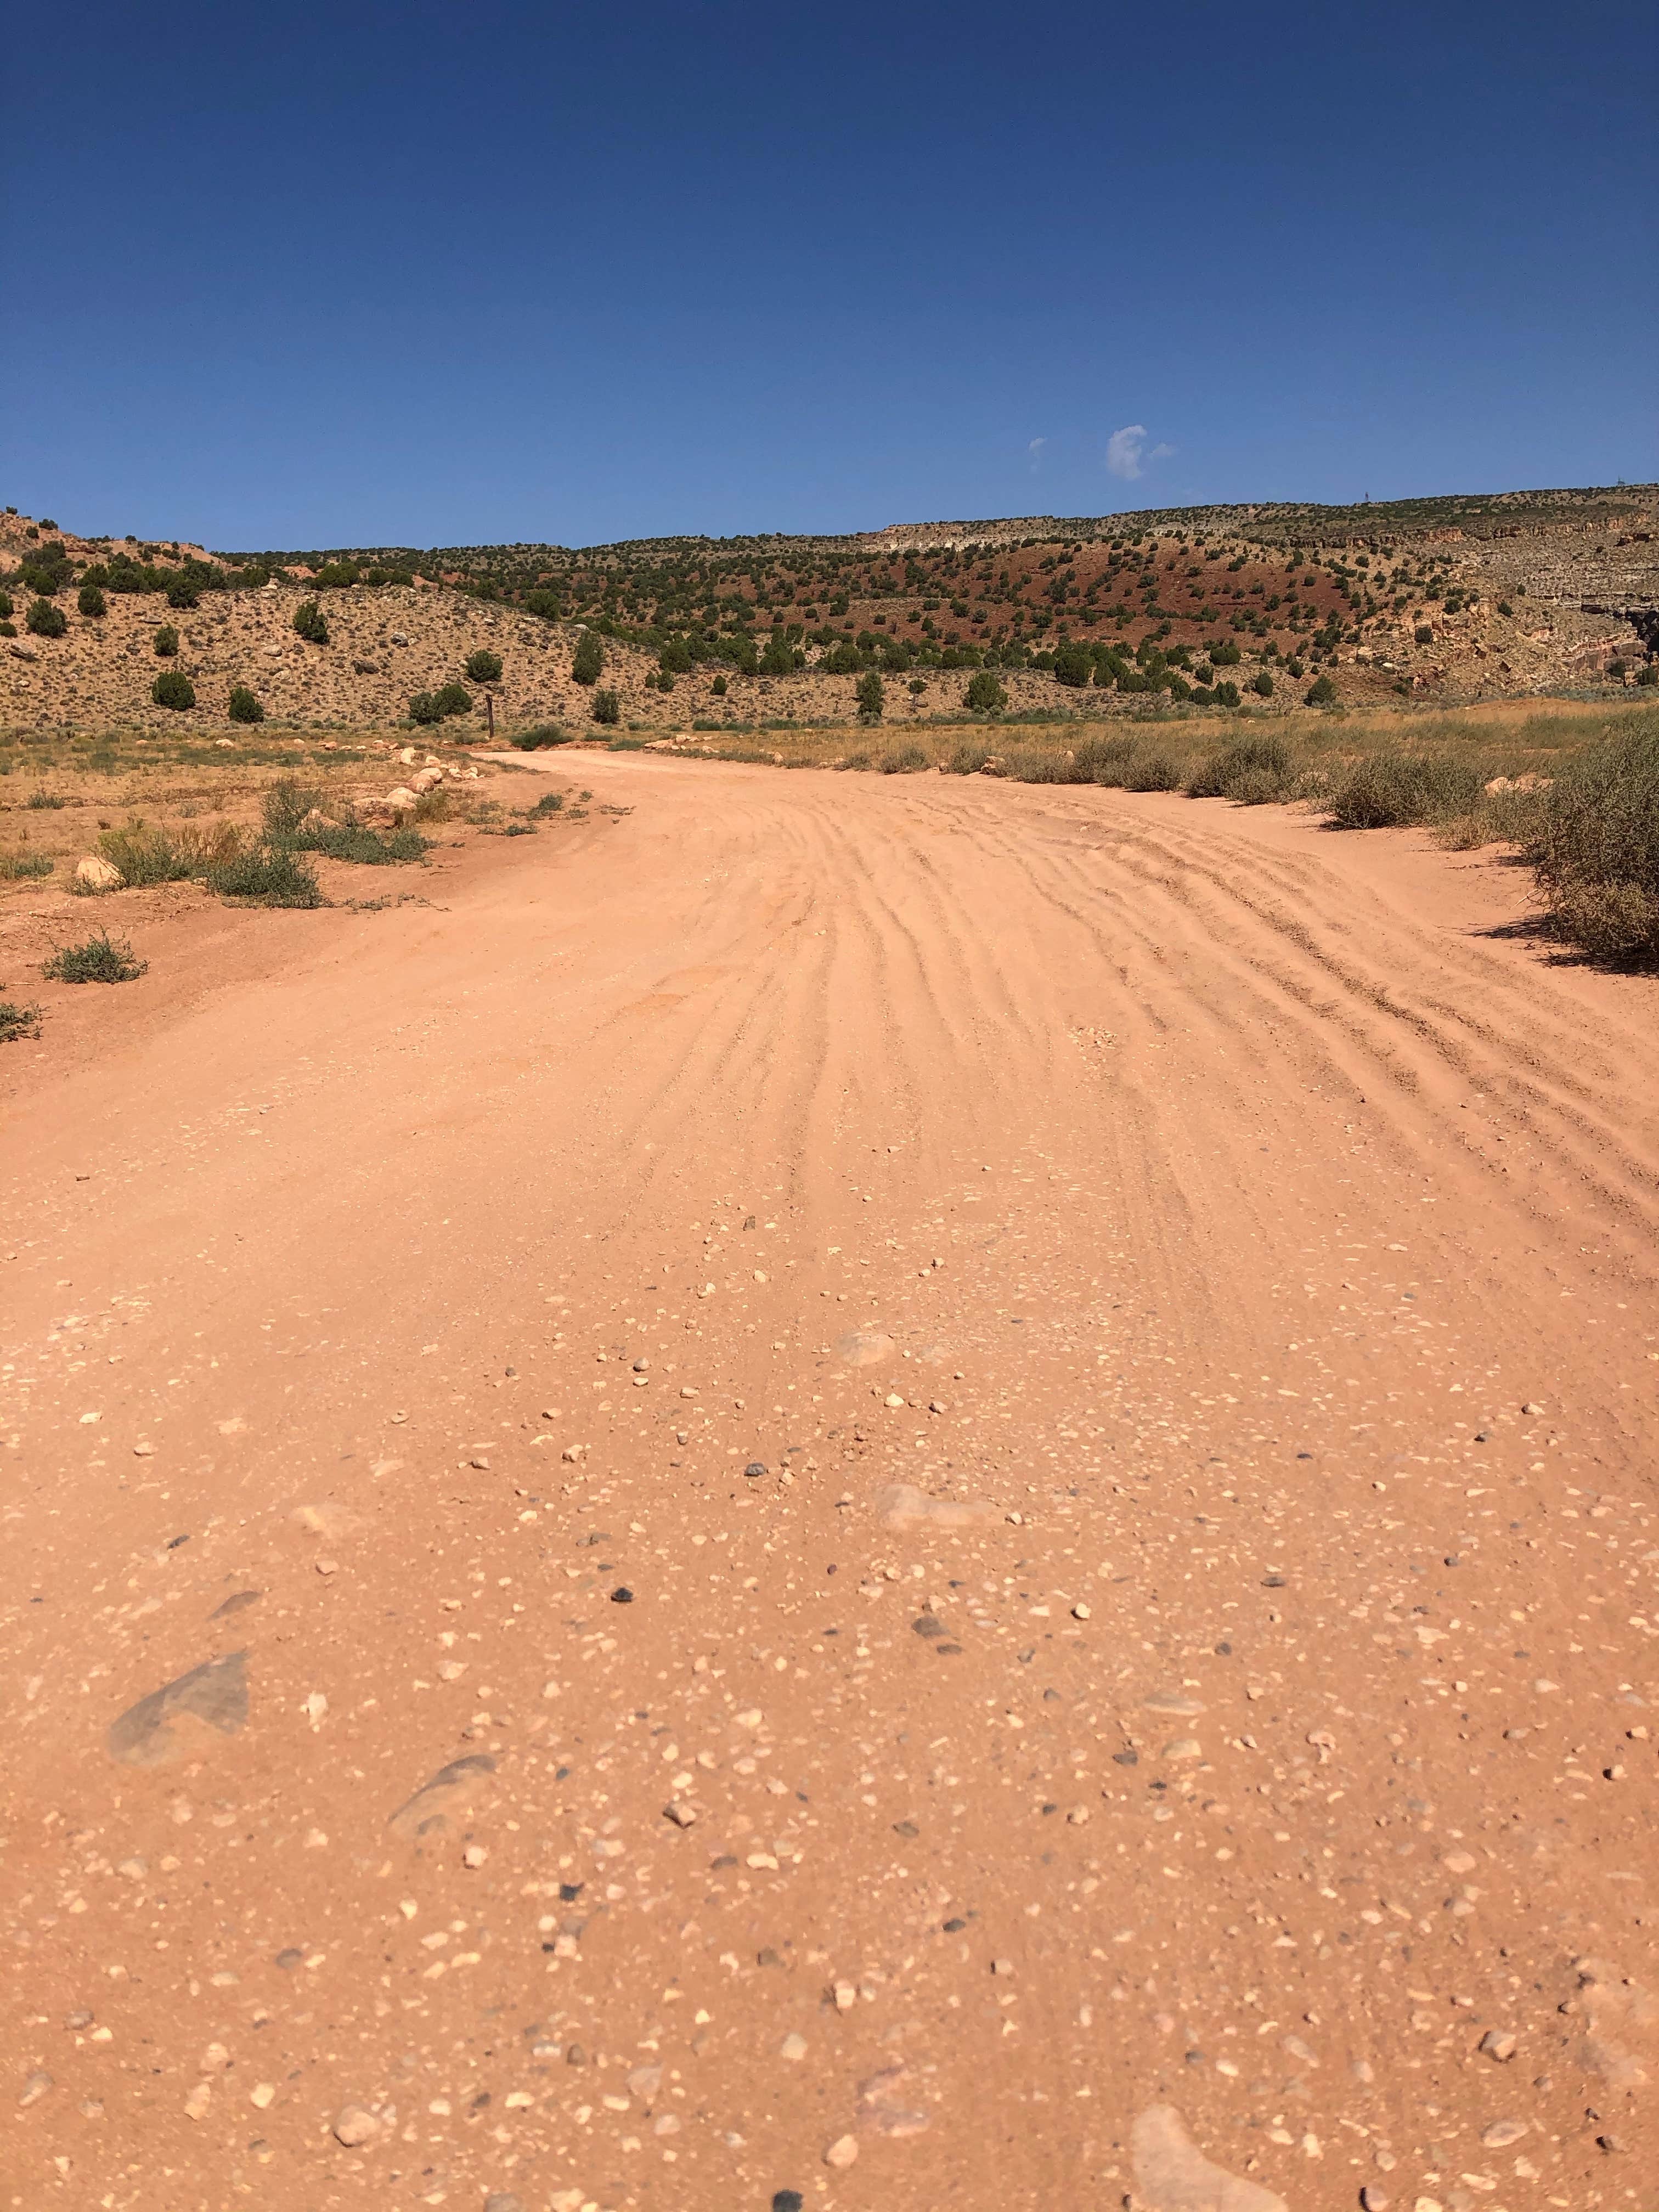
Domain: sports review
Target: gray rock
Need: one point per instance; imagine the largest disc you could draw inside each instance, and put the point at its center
(215, 1692)
(427, 1813)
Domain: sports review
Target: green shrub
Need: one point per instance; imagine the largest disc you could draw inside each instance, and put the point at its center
(871, 696)
(1106, 760)
(91, 601)
(1597, 852)
(7, 610)
(173, 688)
(984, 695)
(1074, 664)
(423, 709)
(550, 802)
(350, 841)
(1263, 685)
(44, 620)
(1225, 656)
(18, 1022)
(165, 643)
(538, 739)
(588, 662)
(719, 687)
(1262, 764)
(969, 759)
(1423, 635)
(100, 959)
(1226, 695)
(311, 622)
(906, 760)
(285, 806)
(1321, 692)
(183, 592)
(145, 856)
(244, 706)
(1153, 772)
(1391, 790)
(483, 666)
(16, 867)
(607, 707)
(337, 575)
(452, 699)
(265, 876)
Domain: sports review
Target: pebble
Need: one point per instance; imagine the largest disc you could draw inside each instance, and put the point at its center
(841, 2152)
(36, 2088)
(197, 2102)
(785, 2200)
(756, 1466)
(353, 2126)
(502, 2200)
(793, 2047)
(622, 1595)
(1499, 2043)
(1373, 2199)
(1502, 2133)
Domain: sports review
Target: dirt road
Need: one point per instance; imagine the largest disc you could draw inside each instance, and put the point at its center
(920, 1493)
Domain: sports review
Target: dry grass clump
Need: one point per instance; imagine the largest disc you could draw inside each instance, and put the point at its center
(145, 854)
(1395, 790)
(1596, 847)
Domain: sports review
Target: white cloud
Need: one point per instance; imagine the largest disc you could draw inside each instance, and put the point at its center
(1034, 450)
(1124, 449)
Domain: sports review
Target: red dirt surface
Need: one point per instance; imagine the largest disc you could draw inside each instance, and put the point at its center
(925, 1494)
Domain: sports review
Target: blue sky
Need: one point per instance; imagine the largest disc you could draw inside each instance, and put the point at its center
(435, 275)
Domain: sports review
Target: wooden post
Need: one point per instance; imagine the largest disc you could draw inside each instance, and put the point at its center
(490, 706)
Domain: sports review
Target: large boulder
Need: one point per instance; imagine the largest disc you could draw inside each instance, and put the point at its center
(95, 874)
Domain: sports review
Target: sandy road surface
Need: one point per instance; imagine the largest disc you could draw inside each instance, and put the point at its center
(1255, 1249)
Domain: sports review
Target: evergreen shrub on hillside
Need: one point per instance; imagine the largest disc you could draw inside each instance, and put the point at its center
(173, 688)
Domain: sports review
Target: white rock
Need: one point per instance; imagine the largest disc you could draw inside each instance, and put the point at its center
(353, 2125)
(93, 874)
